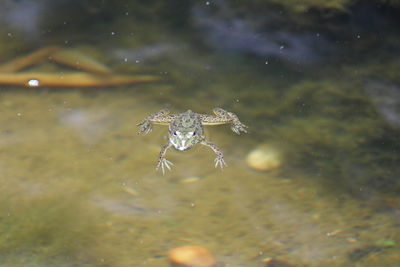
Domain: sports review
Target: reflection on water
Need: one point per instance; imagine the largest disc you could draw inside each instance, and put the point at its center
(313, 183)
(386, 97)
(226, 32)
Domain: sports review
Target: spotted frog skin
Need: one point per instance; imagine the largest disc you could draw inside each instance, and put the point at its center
(186, 130)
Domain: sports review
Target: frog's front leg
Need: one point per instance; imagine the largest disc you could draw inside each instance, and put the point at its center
(219, 160)
(223, 117)
(162, 161)
(230, 117)
(160, 117)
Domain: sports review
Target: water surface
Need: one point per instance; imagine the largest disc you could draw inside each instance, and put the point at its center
(79, 186)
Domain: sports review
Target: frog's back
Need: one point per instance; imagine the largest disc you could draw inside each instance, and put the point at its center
(187, 121)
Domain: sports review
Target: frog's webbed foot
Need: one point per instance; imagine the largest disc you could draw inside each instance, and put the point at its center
(219, 161)
(238, 127)
(163, 164)
(145, 127)
(230, 117)
(160, 117)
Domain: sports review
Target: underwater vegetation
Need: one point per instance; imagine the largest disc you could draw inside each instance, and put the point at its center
(342, 138)
(39, 227)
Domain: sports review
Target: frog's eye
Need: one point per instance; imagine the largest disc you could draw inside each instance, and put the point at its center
(174, 133)
(192, 133)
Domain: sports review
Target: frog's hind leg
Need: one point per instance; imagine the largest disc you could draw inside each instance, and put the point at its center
(219, 160)
(162, 161)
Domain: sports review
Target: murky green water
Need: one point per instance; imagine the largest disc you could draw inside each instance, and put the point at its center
(78, 185)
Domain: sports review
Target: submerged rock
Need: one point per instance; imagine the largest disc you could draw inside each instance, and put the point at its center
(190, 179)
(263, 158)
(191, 256)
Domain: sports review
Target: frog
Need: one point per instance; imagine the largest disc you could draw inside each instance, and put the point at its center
(185, 130)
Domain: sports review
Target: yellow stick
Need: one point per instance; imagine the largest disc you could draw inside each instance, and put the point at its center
(28, 60)
(71, 79)
(75, 59)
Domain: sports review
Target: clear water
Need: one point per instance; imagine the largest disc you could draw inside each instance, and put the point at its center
(78, 186)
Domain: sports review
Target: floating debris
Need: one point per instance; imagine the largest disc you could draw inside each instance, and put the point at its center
(76, 59)
(71, 79)
(94, 73)
(334, 232)
(34, 58)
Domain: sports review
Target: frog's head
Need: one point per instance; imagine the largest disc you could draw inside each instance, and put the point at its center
(183, 140)
(185, 131)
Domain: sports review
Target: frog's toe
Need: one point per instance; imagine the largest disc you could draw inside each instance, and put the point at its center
(168, 164)
(163, 164)
(144, 127)
(147, 130)
(219, 161)
(239, 127)
(243, 128)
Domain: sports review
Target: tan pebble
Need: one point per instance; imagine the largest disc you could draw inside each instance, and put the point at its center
(130, 191)
(334, 232)
(264, 158)
(191, 256)
(351, 240)
(191, 179)
(266, 259)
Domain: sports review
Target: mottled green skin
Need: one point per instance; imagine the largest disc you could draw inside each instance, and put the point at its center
(186, 130)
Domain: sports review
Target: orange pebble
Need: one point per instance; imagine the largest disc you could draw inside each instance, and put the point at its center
(191, 256)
